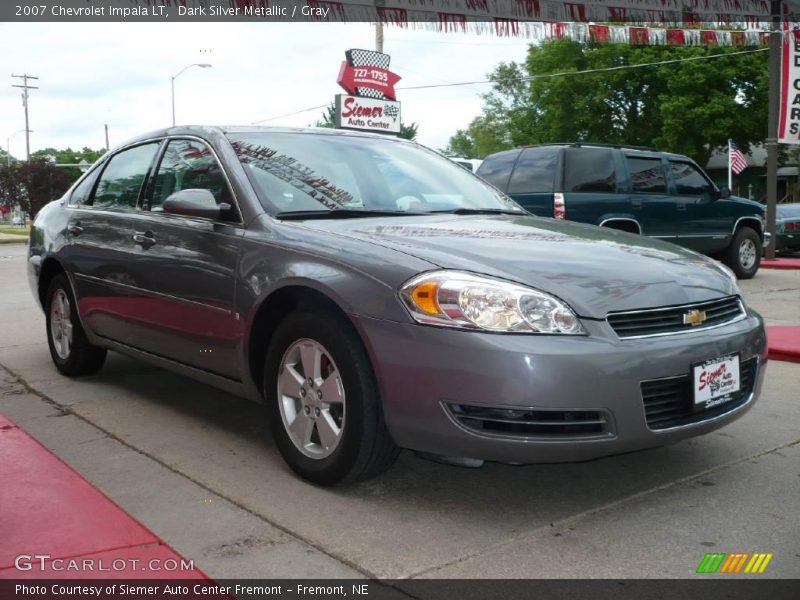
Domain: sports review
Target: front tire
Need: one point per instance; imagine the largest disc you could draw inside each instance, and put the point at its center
(70, 349)
(323, 401)
(744, 253)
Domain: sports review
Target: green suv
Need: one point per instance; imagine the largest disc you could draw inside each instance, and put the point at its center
(640, 190)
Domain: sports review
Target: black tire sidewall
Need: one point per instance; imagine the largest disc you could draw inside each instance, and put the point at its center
(360, 393)
(733, 253)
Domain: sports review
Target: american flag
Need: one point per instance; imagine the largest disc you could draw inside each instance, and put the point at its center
(737, 159)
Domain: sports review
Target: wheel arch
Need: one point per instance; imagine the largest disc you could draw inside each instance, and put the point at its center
(749, 221)
(272, 310)
(50, 268)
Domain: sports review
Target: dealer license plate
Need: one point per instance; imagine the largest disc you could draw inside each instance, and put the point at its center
(716, 381)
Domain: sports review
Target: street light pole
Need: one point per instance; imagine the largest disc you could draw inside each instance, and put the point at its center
(178, 74)
(8, 145)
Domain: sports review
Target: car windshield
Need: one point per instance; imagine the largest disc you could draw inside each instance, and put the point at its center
(296, 173)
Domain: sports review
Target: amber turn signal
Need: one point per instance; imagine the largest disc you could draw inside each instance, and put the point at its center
(424, 296)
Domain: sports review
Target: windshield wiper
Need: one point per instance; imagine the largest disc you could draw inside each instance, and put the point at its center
(342, 213)
(479, 211)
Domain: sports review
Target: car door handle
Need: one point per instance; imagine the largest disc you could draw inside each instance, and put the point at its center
(144, 238)
(681, 206)
(636, 203)
(75, 229)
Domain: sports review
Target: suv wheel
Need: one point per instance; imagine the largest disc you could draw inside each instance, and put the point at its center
(744, 254)
(71, 351)
(321, 393)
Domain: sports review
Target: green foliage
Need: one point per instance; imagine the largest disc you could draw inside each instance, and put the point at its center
(689, 107)
(69, 156)
(407, 132)
(32, 184)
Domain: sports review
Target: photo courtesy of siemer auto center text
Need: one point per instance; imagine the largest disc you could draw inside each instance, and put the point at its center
(399, 299)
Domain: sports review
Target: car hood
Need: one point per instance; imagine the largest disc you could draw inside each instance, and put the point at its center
(595, 270)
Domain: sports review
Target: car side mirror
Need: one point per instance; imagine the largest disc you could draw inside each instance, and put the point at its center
(721, 193)
(194, 203)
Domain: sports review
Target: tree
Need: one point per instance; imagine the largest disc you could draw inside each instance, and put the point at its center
(689, 107)
(32, 184)
(328, 121)
(69, 156)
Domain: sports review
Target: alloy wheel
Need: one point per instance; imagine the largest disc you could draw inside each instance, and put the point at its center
(311, 399)
(61, 324)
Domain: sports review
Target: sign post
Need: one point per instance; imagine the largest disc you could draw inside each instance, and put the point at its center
(779, 88)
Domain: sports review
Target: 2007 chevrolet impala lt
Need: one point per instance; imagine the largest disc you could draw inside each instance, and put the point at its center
(377, 296)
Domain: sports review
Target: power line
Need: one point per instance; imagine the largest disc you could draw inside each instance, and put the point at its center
(544, 76)
(588, 71)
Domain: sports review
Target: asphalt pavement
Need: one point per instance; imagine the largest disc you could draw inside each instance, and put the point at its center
(197, 467)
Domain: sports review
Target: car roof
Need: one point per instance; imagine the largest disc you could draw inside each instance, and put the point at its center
(211, 131)
(644, 150)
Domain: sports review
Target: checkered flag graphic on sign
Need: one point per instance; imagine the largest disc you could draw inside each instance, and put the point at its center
(368, 58)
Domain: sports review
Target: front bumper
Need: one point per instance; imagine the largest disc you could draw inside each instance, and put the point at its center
(422, 370)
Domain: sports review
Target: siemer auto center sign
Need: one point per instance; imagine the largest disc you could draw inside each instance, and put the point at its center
(370, 103)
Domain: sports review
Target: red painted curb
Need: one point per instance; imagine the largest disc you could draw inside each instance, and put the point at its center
(50, 509)
(781, 263)
(783, 342)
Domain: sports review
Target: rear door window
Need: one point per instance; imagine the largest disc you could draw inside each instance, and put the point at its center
(647, 175)
(689, 181)
(122, 179)
(589, 170)
(534, 172)
(497, 169)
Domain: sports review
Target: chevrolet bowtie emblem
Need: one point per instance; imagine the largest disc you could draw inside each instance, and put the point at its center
(694, 317)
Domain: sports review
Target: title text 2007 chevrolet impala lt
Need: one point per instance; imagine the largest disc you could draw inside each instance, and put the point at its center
(377, 296)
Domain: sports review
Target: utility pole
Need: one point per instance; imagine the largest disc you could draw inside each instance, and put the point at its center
(107, 146)
(379, 36)
(776, 44)
(25, 87)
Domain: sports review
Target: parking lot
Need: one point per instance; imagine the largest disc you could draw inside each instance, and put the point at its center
(196, 466)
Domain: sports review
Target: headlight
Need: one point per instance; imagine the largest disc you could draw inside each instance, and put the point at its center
(456, 299)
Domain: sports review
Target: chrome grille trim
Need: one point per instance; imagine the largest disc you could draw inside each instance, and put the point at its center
(668, 320)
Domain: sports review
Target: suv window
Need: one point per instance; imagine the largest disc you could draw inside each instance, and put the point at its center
(123, 177)
(189, 164)
(497, 169)
(589, 170)
(647, 175)
(689, 180)
(535, 171)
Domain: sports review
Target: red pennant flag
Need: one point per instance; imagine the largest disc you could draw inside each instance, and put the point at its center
(676, 37)
(599, 33)
(640, 36)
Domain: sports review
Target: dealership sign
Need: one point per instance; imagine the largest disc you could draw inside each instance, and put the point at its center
(789, 124)
(367, 114)
(370, 103)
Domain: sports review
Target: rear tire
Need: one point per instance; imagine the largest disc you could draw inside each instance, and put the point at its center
(70, 349)
(324, 407)
(744, 253)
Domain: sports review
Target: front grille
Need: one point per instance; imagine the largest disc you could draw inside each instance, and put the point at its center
(668, 402)
(529, 422)
(660, 321)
